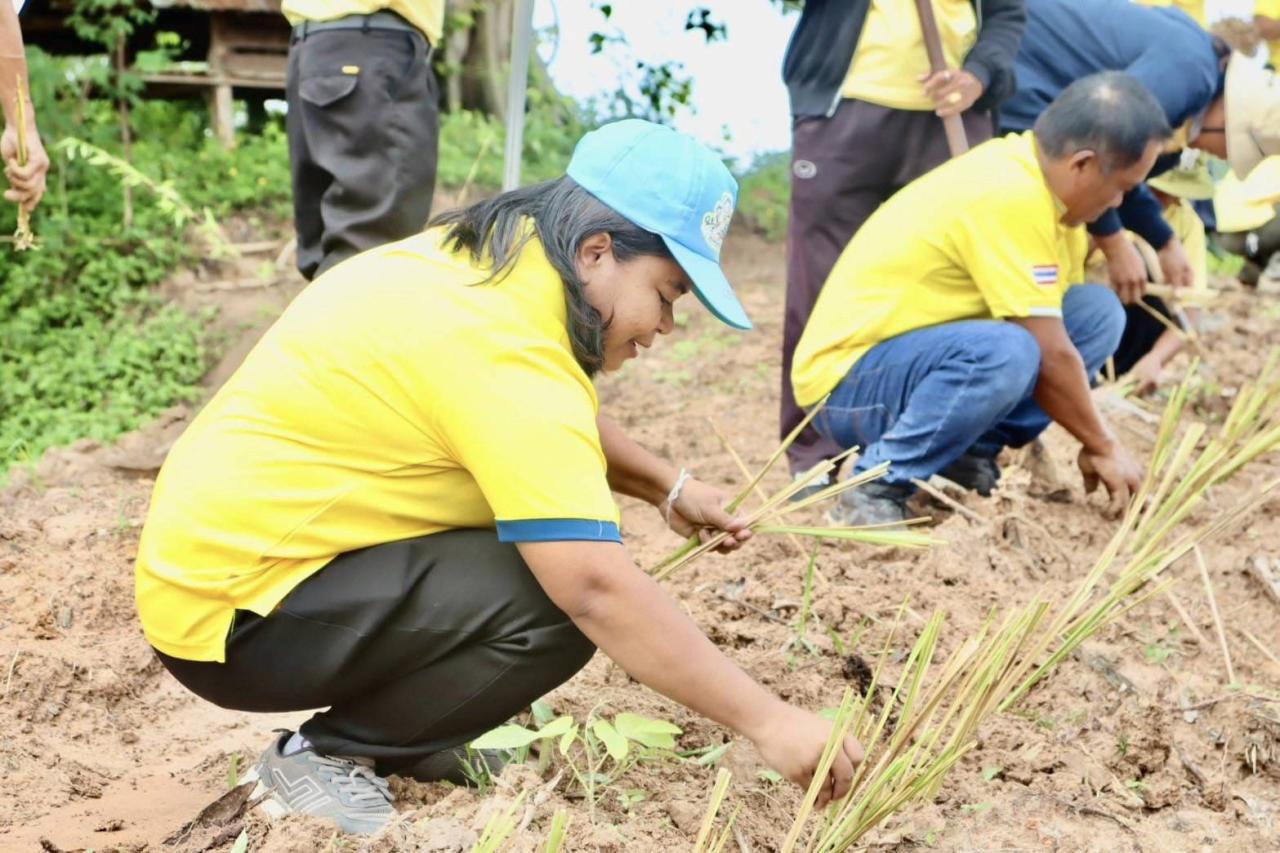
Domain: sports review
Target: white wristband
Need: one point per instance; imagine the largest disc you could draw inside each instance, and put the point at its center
(674, 494)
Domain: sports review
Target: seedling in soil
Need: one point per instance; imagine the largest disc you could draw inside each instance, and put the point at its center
(597, 752)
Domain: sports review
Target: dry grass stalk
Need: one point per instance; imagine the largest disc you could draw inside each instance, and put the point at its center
(1257, 644)
(23, 238)
(704, 842)
(1217, 616)
(768, 517)
(939, 709)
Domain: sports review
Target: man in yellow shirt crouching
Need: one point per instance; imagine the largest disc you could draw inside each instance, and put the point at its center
(948, 329)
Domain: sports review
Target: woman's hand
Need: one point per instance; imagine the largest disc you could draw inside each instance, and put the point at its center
(700, 509)
(792, 742)
(1150, 374)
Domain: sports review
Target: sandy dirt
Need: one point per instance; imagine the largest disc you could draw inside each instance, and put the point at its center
(1136, 743)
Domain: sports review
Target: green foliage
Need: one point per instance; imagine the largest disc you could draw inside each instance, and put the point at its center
(471, 143)
(597, 752)
(764, 195)
(86, 348)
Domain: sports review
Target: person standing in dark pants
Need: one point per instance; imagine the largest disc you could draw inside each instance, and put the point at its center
(363, 123)
(865, 122)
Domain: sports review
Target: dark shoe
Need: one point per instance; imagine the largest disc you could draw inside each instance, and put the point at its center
(975, 473)
(472, 768)
(874, 503)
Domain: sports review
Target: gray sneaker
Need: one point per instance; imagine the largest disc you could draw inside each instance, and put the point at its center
(344, 790)
(874, 503)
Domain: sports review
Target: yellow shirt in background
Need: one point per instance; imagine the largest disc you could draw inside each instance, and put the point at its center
(1187, 227)
(394, 398)
(1270, 9)
(1193, 8)
(426, 15)
(890, 57)
(977, 238)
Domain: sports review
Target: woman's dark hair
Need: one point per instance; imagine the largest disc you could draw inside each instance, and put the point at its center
(564, 215)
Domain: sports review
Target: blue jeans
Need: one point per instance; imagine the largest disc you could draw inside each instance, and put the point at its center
(920, 400)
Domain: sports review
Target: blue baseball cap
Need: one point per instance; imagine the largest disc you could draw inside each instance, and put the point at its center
(668, 183)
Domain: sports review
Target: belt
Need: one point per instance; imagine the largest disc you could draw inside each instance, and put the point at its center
(382, 20)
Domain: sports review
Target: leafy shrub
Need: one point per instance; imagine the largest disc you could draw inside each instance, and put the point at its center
(764, 194)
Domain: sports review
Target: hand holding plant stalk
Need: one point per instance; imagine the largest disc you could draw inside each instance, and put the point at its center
(25, 166)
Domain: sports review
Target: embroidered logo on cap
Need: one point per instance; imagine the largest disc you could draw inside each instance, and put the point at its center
(715, 222)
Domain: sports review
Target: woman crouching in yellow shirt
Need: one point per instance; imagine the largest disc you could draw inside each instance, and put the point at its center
(399, 507)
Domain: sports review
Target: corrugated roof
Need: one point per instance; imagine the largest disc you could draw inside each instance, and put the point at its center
(267, 6)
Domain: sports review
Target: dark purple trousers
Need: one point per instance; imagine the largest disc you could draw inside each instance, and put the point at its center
(842, 169)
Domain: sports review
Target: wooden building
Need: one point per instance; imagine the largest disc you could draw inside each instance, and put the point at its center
(234, 48)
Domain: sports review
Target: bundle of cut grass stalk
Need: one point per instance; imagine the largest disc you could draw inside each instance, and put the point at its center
(770, 517)
(936, 709)
(23, 238)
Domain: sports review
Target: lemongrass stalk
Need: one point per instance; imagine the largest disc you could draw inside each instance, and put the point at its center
(899, 538)
(777, 454)
(746, 473)
(499, 828)
(837, 488)
(668, 566)
(555, 836)
(727, 832)
(723, 778)
(835, 743)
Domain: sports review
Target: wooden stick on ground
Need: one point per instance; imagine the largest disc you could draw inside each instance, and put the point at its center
(1217, 617)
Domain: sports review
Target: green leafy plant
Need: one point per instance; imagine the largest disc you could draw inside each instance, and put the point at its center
(597, 752)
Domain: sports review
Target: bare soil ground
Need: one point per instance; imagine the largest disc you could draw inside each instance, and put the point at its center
(1137, 743)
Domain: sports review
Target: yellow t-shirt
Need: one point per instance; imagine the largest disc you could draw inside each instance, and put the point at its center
(1193, 8)
(426, 15)
(977, 238)
(394, 398)
(890, 57)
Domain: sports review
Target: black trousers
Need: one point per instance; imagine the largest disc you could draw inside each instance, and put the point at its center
(1141, 331)
(363, 126)
(415, 647)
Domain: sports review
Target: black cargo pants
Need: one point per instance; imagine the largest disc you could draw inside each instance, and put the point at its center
(363, 126)
(414, 647)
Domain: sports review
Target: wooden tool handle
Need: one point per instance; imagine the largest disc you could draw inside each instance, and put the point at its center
(957, 142)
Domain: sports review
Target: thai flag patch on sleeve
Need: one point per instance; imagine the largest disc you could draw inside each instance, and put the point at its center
(1045, 275)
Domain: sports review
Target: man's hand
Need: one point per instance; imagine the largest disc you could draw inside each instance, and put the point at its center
(1150, 374)
(1116, 470)
(1175, 264)
(27, 183)
(1125, 267)
(953, 92)
(700, 509)
(792, 743)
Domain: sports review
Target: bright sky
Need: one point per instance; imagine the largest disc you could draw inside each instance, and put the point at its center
(737, 90)
(737, 86)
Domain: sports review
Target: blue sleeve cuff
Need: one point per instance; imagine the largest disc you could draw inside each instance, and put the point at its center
(1106, 224)
(558, 530)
